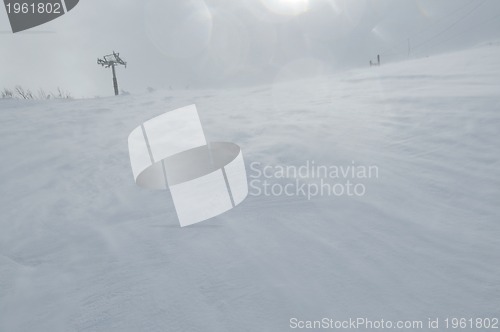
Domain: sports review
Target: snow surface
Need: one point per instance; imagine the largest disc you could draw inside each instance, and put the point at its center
(82, 248)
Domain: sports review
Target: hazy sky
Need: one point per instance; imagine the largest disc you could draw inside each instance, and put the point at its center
(226, 43)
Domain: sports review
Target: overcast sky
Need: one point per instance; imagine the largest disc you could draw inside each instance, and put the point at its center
(226, 43)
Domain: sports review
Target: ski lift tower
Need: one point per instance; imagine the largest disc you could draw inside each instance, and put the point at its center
(112, 60)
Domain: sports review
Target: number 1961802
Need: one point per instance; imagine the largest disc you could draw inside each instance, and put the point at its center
(471, 323)
(33, 8)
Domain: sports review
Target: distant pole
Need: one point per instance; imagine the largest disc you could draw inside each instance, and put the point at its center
(378, 59)
(115, 81)
(111, 60)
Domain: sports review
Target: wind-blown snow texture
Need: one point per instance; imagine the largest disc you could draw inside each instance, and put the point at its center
(82, 248)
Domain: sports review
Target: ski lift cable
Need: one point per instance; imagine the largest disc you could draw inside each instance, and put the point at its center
(463, 17)
(459, 34)
(413, 36)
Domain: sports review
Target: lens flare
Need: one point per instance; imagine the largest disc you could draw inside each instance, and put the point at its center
(287, 7)
(179, 30)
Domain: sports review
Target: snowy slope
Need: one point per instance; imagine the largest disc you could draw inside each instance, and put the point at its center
(82, 248)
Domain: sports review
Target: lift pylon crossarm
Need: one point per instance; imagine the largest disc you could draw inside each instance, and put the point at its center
(111, 60)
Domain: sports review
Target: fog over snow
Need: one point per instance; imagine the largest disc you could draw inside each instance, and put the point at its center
(224, 43)
(83, 248)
